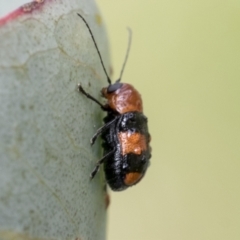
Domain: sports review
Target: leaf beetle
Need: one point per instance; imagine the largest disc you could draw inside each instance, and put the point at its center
(125, 133)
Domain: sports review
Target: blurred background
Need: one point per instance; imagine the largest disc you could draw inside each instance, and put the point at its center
(185, 61)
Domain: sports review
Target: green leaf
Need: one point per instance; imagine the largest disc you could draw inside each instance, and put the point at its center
(46, 124)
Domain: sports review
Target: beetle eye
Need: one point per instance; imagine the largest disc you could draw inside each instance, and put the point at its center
(132, 118)
(113, 87)
(130, 115)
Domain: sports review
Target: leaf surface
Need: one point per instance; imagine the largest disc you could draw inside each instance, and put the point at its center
(45, 124)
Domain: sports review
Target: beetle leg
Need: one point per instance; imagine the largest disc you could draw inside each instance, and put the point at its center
(101, 130)
(95, 170)
(80, 89)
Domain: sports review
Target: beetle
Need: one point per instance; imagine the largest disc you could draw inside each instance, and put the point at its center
(125, 133)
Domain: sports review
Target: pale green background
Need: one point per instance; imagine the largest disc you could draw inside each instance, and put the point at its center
(185, 60)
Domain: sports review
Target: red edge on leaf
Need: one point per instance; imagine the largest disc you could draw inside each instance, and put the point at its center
(107, 200)
(24, 9)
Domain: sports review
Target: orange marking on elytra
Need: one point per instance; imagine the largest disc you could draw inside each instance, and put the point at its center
(132, 142)
(132, 178)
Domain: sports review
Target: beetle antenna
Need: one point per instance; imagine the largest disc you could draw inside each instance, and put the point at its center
(108, 78)
(127, 53)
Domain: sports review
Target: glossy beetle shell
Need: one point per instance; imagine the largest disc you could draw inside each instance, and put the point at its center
(130, 138)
